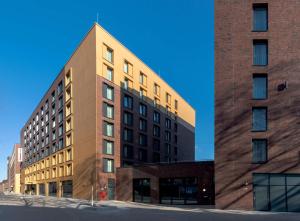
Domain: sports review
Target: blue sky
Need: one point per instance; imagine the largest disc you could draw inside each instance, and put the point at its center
(174, 37)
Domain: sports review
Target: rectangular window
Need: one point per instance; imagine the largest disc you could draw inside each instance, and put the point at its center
(143, 93)
(60, 117)
(108, 165)
(109, 73)
(128, 135)
(156, 145)
(176, 104)
(108, 92)
(259, 150)
(168, 98)
(142, 139)
(60, 143)
(143, 79)
(142, 154)
(142, 124)
(53, 96)
(60, 102)
(60, 88)
(260, 17)
(108, 110)
(260, 52)
(128, 118)
(128, 151)
(108, 147)
(156, 89)
(259, 119)
(156, 117)
(109, 54)
(125, 67)
(156, 131)
(108, 129)
(168, 123)
(128, 102)
(167, 136)
(128, 84)
(260, 87)
(60, 130)
(143, 110)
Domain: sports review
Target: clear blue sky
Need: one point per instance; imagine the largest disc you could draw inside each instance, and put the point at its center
(174, 37)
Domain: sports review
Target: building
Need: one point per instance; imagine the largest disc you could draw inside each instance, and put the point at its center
(257, 95)
(14, 170)
(3, 186)
(167, 183)
(105, 109)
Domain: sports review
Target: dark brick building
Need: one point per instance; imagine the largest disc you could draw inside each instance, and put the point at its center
(175, 183)
(257, 111)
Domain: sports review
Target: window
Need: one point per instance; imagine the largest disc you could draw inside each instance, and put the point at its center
(156, 157)
(109, 54)
(142, 155)
(69, 154)
(143, 79)
(167, 149)
(127, 84)
(108, 165)
(143, 110)
(60, 130)
(125, 67)
(109, 73)
(128, 102)
(260, 52)
(53, 123)
(68, 93)
(53, 109)
(53, 135)
(60, 102)
(143, 93)
(168, 123)
(68, 77)
(108, 147)
(60, 143)
(259, 119)
(156, 117)
(60, 88)
(260, 17)
(108, 129)
(53, 96)
(176, 104)
(259, 150)
(142, 124)
(156, 89)
(128, 151)
(156, 145)
(142, 139)
(175, 127)
(68, 139)
(168, 98)
(156, 131)
(60, 117)
(108, 92)
(167, 136)
(128, 118)
(260, 86)
(156, 102)
(108, 110)
(128, 135)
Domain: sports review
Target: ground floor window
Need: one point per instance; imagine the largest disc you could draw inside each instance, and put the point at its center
(67, 188)
(30, 189)
(52, 189)
(178, 190)
(141, 190)
(42, 189)
(276, 192)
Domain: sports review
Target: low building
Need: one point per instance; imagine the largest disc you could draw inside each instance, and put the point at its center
(175, 183)
(14, 171)
(4, 186)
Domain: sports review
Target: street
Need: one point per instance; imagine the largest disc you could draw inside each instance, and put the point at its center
(36, 208)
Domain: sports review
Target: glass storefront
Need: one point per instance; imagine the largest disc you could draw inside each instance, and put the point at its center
(67, 188)
(141, 190)
(52, 189)
(178, 190)
(276, 192)
(42, 189)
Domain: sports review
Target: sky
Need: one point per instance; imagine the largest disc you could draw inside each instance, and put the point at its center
(174, 37)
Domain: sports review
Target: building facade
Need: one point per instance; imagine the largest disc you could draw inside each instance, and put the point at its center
(14, 170)
(257, 151)
(167, 183)
(105, 109)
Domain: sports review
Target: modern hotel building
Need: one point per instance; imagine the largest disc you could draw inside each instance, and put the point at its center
(106, 109)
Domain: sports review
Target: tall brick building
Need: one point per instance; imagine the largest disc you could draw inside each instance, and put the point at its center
(105, 109)
(257, 104)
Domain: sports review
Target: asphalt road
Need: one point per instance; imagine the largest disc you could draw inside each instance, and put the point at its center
(13, 207)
